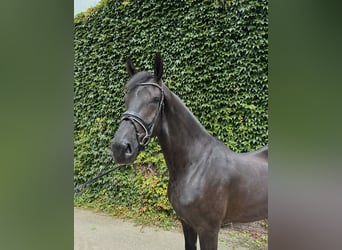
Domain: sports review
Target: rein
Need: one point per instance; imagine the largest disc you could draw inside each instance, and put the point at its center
(81, 187)
(136, 118)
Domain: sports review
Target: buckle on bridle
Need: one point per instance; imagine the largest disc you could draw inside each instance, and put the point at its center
(145, 140)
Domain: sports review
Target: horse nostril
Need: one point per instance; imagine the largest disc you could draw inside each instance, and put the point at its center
(122, 151)
(128, 149)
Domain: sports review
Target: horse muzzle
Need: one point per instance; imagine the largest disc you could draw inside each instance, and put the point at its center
(122, 152)
(125, 147)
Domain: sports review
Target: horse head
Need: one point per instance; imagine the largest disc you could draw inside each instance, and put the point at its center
(144, 100)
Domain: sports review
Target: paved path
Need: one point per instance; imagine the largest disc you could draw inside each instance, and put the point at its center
(94, 231)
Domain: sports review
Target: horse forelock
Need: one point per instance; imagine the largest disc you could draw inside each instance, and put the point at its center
(140, 77)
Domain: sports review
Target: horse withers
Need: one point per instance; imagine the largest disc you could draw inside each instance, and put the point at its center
(209, 184)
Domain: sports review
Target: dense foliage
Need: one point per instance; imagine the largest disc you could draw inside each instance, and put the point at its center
(215, 59)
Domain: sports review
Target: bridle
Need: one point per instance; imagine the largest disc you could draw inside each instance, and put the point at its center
(136, 119)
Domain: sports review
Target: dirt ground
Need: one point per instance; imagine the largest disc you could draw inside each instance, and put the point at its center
(95, 231)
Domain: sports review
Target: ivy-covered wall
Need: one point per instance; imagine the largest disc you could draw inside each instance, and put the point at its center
(215, 59)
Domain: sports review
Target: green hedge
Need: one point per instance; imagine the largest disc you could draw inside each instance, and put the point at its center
(215, 59)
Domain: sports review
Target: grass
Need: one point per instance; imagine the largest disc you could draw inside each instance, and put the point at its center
(237, 238)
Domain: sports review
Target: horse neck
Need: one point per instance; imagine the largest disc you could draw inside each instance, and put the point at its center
(181, 135)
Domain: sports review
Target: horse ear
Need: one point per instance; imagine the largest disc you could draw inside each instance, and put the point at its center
(130, 67)
(158, 67)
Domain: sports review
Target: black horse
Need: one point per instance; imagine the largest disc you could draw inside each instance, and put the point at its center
(209, 184)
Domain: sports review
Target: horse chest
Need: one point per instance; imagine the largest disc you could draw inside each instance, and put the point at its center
(184, 197)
